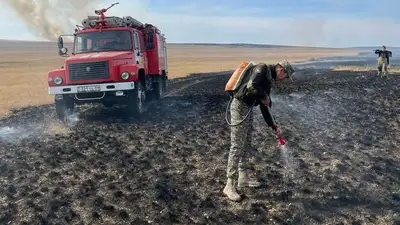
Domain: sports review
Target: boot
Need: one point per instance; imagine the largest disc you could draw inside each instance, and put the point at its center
(245, 181)
(231, 192)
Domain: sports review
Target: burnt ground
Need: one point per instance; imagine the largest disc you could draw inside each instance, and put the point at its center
(169, 167)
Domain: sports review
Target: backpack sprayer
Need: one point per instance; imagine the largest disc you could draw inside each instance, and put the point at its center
(233, 85)
(238, 77)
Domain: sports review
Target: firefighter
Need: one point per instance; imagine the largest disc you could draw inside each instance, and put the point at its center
(383, 60)
(252, 93)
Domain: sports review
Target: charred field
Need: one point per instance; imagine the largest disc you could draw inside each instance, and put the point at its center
(169, 167)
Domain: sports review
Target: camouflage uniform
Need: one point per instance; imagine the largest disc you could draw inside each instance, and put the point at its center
(250, 94)
(240, 137)
(383, 60)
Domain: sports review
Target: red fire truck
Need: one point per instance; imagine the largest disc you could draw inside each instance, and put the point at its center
(114, 61)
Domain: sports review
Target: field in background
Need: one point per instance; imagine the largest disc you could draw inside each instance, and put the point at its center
(24, 65)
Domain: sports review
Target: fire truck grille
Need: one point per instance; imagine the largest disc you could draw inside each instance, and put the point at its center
(88, 71)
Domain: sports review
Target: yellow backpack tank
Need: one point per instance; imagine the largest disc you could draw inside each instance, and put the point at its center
(238, 75)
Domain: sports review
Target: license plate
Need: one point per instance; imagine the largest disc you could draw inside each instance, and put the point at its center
(95, 88)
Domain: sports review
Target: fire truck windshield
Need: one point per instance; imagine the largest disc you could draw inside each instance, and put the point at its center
(116, 40)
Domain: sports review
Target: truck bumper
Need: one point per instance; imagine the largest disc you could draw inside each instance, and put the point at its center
(90, 88)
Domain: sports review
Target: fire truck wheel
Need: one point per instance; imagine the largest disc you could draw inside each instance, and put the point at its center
(64, 108)
(159, 88)
(136, 99)
(164, 83)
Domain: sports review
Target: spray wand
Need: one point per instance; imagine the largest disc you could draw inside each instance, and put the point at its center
(282, 141)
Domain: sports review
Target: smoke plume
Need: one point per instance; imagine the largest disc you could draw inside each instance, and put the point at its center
(50, 18)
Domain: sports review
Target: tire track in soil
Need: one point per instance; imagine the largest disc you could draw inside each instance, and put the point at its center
(186, 86)
(169, 166)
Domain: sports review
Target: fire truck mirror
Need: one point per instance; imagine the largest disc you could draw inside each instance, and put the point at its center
(60, 43)
(63, 51)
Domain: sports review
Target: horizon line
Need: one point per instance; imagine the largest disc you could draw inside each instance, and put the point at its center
(234, 43)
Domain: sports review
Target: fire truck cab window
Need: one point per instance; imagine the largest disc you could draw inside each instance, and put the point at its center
(103, 41)
(136, 40)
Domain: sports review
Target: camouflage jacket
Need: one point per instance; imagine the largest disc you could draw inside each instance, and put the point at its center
(257, 88)
(384, 53)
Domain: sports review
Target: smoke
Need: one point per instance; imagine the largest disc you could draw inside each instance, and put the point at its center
(49, 18)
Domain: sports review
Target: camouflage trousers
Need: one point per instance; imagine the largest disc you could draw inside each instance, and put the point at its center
(382, 64)
(240, 138)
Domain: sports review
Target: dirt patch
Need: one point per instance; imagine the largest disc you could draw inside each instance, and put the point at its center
(169, 166)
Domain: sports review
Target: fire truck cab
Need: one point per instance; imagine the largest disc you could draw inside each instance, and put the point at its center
(114, 61)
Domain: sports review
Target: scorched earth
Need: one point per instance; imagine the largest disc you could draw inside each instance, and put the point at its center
(341, 165)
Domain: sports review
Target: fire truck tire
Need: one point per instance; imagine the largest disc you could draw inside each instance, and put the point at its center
(64, 108)
(159, 88)
(136, 100)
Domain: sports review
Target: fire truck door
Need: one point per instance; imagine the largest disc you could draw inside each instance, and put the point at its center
(143, 49)
(165, 59)
(138, 50)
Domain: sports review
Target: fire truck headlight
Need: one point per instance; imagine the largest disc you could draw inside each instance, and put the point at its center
(58, 80)
(125, 75)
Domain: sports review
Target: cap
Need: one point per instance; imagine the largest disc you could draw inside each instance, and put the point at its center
(286, 65)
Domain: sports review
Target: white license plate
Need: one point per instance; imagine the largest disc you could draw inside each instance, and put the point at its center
(95, 88)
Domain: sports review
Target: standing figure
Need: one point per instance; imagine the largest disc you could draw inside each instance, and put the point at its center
(383, 60)
(252, 91)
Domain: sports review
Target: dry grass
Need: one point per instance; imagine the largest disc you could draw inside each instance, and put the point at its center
(184, 59)
(24, 65)
(391, 69)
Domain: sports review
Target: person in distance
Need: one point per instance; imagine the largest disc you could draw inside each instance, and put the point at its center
(383, 60)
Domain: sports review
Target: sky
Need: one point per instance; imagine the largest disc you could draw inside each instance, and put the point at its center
(323, 23)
